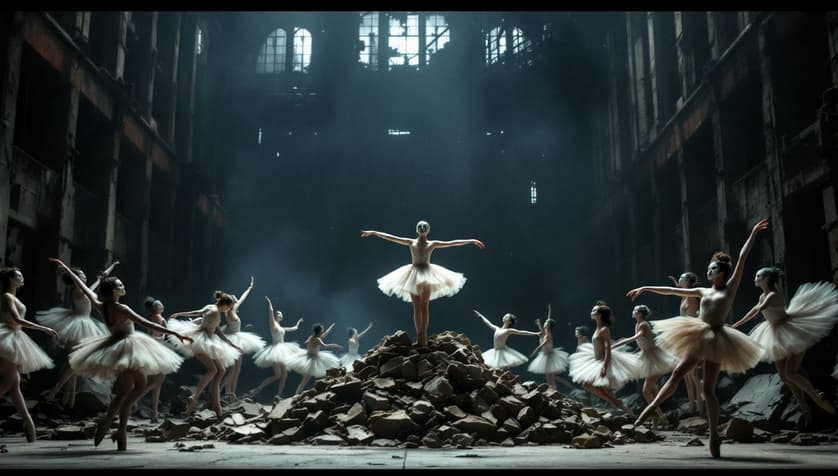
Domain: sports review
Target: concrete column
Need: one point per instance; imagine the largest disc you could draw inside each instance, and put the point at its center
(111, 148)
(685, 210)
(8, 106)
(774, 198)
(721, 180)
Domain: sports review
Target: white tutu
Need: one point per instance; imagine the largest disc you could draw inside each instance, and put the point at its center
(279, 353)
(347, 359)
(406, 279)
(585, 368)
(315, 365)
(19, 348)
(690, 336)
(247, 341)
(507, 358)
(654, 361)
(554, 362)
(203, 343)
(812, 313)
(105, 357)
(71, 328)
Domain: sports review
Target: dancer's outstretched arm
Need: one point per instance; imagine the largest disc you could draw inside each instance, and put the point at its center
(296, 326)
(523, 333)
(628, 340)
(448, 244)
(243, 296)
(94, 299)
(386, 236)
(733, 282)
(149, 324)
(20, 320)
(665, 290)
(107, 272)
(225, 339)
(327, 331)
(365, 331)
(758, 308)
(328, 346)
(488, 323)
(198, 312)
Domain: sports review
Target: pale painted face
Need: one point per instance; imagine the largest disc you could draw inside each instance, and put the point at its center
(714, 271)
(683, 281)
(595, 312)
(423, 228)
(157, 307)
(278, 316)
(17, 278)
(119, 288)
(636, 313)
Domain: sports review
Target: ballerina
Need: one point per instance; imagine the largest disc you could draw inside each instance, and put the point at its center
(706, 339)
(689, 307)
(654, 362)
(421, 282)
(550, 361)
(351, 355)
(314, 362)
(154, 384)
(248, 342)
(788, 332)
(279, 354)
(597, 367)
(210, 346)
(18, 352)
(500, 356)
(124, 355)
(73, 325)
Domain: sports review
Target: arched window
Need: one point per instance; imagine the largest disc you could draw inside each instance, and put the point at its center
(495, 45)
(302, 50)
(271, 58)
(368, 35)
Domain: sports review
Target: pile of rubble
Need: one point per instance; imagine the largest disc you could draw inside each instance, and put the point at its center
(438, 396)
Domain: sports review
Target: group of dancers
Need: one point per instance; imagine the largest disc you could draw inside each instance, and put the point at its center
(678, 345)
(137, 363)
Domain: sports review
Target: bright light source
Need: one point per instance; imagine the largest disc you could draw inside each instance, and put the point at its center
(397, 132)
(277, 154)
(488, 133)
(533, 193)
(260, 136)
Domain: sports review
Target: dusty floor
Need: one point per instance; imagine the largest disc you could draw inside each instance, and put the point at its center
(671, 453)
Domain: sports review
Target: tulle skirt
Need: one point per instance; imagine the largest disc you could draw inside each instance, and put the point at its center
(247, 341)
(554, 362)
(654, 361)
(812, 314)
(105, 357)
(585, 367)
(406, 280)
(279, 353)
(690, 336)
(507, 358)
(71, 328)
(314, 365)
(203, 343)
(347, 359)
(17, 347)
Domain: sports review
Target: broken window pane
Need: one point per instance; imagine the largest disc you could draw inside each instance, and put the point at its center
(404, 40)
(368, 35)
(495, 45)
(533, 193)
(437, 34)
(271, 58)
(199, 42)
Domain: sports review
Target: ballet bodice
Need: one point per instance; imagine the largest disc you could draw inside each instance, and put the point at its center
(645, 341)
(6, 315)
(500, 337)
(352, 346)
(82, 307)
(277, 334)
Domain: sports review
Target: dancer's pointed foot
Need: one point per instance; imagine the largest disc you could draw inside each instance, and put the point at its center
(643, 415)
(190, 404)
(822, 402)
(101, 431)
(29, 431)
(715, 445)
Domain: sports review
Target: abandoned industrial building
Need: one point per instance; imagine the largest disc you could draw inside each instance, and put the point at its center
(641, 204)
